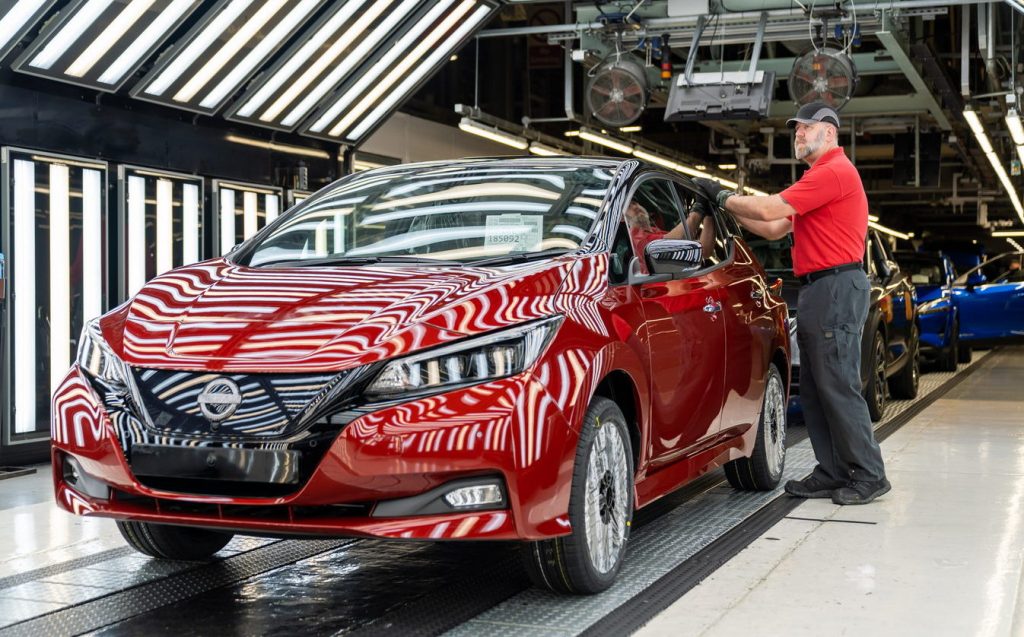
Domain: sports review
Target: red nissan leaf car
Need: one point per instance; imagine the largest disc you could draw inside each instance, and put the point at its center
(492, 349)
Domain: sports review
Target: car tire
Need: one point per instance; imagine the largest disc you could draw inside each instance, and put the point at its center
(904, 385)
(964, 355)
(588, 560)
(170, 542)
(763, 469)
(951, 355)
(874, 393)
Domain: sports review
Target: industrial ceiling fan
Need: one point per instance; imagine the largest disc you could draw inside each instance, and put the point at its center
(823, 74)
(617, 91)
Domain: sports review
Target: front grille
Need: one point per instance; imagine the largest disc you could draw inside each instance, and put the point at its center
(268, 405)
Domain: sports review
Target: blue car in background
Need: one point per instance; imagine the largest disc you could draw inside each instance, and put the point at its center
(932, 275)
(990, 300)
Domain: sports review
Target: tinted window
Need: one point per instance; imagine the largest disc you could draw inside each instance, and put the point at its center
(652, 213)
(460, 212)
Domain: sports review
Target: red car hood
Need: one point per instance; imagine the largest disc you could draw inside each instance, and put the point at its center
(219, 316)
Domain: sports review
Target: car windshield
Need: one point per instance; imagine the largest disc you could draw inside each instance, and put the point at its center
(923, 270)
(453, 213)
(1006, 268)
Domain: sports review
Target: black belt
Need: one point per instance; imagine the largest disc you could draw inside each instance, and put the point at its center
(811, 277)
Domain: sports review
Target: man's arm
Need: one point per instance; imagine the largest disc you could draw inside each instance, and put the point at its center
(768, 217)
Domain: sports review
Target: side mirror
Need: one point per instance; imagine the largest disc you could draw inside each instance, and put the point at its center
(673, 256)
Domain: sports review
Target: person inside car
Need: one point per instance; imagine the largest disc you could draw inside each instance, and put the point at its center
(642, 229)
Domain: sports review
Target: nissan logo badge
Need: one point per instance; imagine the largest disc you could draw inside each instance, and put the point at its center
(219, 399)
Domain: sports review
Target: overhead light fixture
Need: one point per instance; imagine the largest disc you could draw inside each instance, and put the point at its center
(872, 217)
(99, 43)
(312, 68)
(1004, 178)
(1008, 233)
(640, 153)
(754, 191)
(571, 133)
(423, 45)
(979, 131)
(222, 51)
(18, 19)
(727, 166)
(889, 231)
(493, 134)
(544, 150)
(1013, 123)
(630, 129)
(278, 147)
(1016, 246)
(607, 142)
(416, 77)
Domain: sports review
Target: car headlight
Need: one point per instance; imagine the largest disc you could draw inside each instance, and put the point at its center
(96, 357)
(476, 360)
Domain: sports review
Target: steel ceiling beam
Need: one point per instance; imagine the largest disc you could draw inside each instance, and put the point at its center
(894, 46)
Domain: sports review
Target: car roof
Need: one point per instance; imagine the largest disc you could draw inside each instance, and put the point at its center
(511, 162)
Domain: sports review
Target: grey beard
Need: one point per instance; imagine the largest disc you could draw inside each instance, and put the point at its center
(810, 148)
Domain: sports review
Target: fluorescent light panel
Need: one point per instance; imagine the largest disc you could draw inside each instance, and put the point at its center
(1014, 125)
(24, 303)
(92, 244)
(314, 67)
(221, 52)
(164, 225)
(417, 49)
(60, 274)
(1016, 246)
(99, 43)
(19, 19)
(889, 231)
(543, 150)
(227, 220)
(190, 224)
(492, 134)
(136, 234)
(251, 199)
(412, 80)
(1008, 233)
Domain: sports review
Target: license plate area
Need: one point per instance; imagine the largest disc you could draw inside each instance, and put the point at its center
(216, 463)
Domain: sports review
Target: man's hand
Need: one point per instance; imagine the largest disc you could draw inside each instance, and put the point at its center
(715, 191)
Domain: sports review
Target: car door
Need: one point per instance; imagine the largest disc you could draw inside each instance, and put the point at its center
(685, 338)
(746, 319)
(990, 299)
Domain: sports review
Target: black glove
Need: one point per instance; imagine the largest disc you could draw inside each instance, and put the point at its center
(715, 191)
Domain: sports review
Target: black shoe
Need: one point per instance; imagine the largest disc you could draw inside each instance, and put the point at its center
(812, 487)
(861, 492)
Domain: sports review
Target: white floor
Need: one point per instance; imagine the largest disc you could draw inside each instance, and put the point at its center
(941, 554)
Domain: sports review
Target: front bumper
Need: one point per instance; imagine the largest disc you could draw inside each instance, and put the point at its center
(510, 429)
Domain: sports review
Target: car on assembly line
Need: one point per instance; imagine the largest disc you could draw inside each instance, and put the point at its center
(932, 274)
(990, 298)
(464, 350)
(890, 340)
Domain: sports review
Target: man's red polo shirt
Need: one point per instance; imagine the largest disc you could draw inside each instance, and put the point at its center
(832, 214)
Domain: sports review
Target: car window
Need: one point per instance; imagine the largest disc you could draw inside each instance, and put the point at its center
(923, 271)
(454, 212)
(709, 232)
(1005, 268)
(651, 213)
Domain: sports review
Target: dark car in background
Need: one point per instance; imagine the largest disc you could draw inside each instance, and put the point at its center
(938, 316)
(891, 338)
(990, 298)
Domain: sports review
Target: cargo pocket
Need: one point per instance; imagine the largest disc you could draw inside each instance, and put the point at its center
(841, 343)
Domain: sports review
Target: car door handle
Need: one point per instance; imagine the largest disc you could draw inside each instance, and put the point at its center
(713, 307)
(757, 294)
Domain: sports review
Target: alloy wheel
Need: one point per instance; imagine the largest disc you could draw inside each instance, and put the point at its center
(775, 424)
(607, 497)
(879, 372)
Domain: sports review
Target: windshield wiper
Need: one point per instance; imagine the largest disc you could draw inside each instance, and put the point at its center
(366, 260)
(520, 257)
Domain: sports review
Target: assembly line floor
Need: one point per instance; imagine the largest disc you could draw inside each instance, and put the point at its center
(941, 554)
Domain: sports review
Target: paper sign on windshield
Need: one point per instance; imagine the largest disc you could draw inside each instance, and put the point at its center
(521, 233)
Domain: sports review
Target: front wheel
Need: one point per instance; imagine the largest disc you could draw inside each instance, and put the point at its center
(874, 393)
(173, 542)
(763, 469)
(600, 510)
(904, 385)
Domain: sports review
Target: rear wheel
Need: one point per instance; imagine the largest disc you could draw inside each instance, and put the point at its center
(904, 384)
(763, 469)
(173, 542)
(951, 355)
(600, 510)
(874, 393)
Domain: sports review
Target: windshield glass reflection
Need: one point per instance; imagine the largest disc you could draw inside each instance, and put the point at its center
(457, 213)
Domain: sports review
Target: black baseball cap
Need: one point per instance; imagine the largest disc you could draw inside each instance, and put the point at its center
(813, 113)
